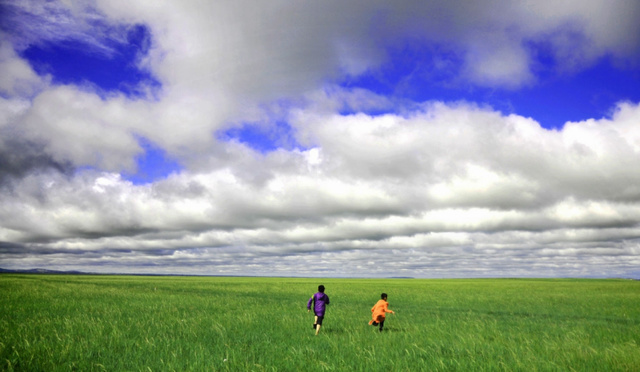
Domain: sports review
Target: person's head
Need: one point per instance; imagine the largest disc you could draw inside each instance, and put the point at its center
(383, 296)
(321, 288)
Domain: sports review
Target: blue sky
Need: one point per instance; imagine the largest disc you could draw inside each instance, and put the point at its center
(426, 139)
(552, 100)
(73, 62)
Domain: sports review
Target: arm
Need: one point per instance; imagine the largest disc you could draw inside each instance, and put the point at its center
(309, 303)
(386, 309)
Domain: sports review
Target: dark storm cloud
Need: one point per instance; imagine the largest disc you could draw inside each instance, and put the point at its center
(20, 158)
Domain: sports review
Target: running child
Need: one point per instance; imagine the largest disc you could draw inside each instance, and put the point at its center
(320, 302)
(379, 311)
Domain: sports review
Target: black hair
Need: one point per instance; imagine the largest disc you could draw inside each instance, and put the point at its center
(321, 288)
(383, 296)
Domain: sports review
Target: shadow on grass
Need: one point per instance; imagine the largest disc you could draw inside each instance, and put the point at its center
(332, 330)
(366, 328)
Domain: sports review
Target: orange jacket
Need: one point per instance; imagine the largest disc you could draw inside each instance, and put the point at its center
(379, 310)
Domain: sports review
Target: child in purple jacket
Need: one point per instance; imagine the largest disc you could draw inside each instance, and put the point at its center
(320, 301)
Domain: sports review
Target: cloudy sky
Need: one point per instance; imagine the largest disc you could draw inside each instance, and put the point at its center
(359, 138)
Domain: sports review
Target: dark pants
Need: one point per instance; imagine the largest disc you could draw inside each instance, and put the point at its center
(381, 323)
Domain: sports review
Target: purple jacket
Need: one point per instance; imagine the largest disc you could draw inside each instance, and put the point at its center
(321, 300)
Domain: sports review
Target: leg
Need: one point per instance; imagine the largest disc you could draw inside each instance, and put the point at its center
(381, 325)
(315, 322)
(318, 323)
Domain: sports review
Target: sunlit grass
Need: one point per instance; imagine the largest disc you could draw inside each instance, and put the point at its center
(116, 323)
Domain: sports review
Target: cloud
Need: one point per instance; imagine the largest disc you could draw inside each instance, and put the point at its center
(219, 63)
(367, 183)
(31, 22)
(19, 159)
(422, 194)
(81, 128)
(18, 79)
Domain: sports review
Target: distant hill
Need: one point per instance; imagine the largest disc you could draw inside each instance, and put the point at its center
(41, 271)
(401, 277)
(74, 272)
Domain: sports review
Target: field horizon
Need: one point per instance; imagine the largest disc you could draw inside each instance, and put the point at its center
(42, 271)
(197, 323)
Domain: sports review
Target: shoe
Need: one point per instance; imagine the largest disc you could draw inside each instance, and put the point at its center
(314, 326)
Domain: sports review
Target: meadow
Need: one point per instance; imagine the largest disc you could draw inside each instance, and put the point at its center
(135, 323)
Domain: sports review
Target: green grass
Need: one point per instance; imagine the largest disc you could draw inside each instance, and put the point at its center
(124, 323)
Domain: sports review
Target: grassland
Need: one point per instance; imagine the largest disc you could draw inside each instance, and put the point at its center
(124, 323)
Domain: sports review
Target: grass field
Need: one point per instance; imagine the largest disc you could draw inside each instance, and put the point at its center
(128, 323)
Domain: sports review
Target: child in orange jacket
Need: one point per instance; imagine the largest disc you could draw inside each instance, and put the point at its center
(379, 311)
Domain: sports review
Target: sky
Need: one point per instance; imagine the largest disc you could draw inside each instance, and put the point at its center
(426, 139)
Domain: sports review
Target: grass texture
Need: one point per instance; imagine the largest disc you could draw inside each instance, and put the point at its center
(132, 323)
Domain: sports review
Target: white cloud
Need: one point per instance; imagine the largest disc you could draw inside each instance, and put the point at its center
(431, 189)
(217, 62)
(33, 22)
(413, 184)
(78, 126)
(506, 66)
(17, 78)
